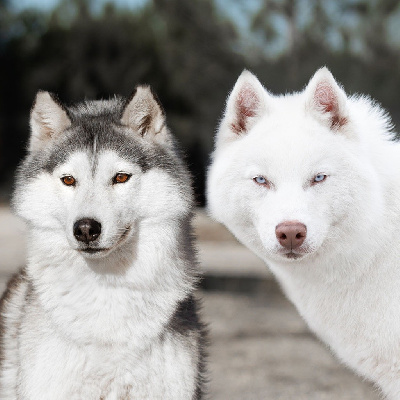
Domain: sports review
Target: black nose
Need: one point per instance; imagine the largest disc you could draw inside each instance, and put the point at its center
(87, 230)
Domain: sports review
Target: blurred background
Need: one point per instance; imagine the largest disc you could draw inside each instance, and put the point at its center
(191, 52)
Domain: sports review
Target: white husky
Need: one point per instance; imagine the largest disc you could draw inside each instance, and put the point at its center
(104, 308)
(311, 183)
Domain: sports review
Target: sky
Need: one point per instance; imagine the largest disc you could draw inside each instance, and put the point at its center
(46, 5)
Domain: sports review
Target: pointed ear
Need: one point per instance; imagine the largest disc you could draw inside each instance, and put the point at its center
(143, 114)
(245, 105)
(326, 100)
(48, 120)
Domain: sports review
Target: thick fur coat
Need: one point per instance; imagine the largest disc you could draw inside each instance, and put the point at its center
(310, 181)
(104, 308)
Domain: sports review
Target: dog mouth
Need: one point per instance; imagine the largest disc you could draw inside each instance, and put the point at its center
(92, 250)
(297, 254)
(293, 256)
(104, 250)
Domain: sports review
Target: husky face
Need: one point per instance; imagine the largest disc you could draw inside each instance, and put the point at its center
(284, 170)
(94, 211)
(96, 171)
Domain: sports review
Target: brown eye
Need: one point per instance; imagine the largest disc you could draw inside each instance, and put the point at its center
(68, 180)
(121, 178)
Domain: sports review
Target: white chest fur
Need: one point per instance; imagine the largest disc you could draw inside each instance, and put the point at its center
(354, 311)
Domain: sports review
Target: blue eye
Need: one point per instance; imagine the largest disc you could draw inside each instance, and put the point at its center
(319, 178)
(260, 180)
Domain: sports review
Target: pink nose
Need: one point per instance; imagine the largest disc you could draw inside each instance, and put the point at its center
(291, 234)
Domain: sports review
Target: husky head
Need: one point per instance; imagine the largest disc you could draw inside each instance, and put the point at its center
(96, 171)
(291, 174)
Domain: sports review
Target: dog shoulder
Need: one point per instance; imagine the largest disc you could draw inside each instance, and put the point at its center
(186, 323)
(186, 317)
(14, 294)
(11, 310)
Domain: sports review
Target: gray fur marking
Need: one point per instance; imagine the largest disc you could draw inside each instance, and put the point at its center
(95, 126)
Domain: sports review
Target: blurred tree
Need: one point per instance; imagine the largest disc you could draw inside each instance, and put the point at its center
(349, 36)
(196, 49)
(278, 21)
(370, 39)
(294, 38)
(181, 48)
(188, 51)
(14, 102)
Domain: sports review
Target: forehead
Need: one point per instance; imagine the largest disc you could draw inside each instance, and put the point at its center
(95, 141)
(290, 145)
(96, 128)
(94, 137)
(87, 162)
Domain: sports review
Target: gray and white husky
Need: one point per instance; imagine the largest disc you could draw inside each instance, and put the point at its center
(104, 308)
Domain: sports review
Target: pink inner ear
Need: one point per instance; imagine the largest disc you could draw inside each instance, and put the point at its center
(246, 106)
(325, 98)
(326, 101)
